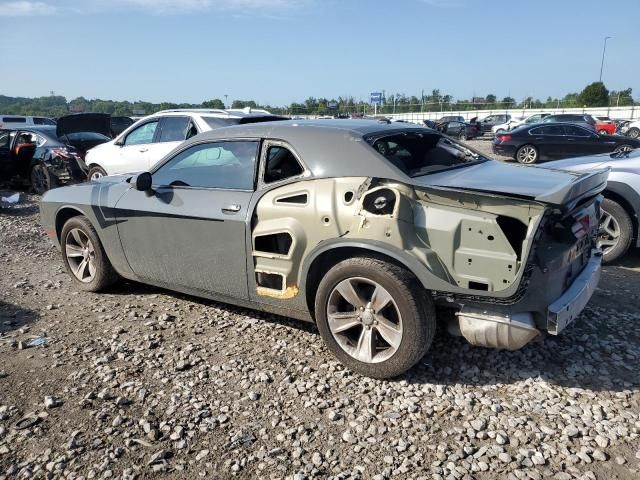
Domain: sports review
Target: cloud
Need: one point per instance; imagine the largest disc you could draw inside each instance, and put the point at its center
(25, 8)
(152, 7)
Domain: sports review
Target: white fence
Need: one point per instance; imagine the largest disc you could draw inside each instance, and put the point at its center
(626, 113)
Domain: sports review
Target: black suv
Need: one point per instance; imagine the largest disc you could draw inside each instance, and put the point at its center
(492, 120)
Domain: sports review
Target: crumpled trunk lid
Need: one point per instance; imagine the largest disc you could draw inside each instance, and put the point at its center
(545, 185)
(84, 122)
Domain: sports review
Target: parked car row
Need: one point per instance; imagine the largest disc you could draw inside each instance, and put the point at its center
(48, 156)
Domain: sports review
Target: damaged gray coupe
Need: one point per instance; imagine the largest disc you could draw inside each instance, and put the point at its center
(372, 231)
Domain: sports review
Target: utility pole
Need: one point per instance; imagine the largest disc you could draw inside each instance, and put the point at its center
(225, 100)
(604, 49)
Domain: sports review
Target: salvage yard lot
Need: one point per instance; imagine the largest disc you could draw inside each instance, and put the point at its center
(150, 383)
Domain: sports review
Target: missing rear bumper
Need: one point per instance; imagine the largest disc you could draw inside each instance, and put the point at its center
(485, 329)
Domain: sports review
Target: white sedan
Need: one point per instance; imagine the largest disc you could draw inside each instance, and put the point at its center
(147, 141)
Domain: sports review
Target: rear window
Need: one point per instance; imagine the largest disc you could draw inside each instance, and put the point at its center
(84, 136)
(418, 153)
(14, 119)
(43, 121)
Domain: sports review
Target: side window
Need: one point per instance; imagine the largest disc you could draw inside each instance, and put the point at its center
(576, 131)
(14, 120)
(40, 140)
(174, 129)
(281, 164)
(143, 134)
(228, 165)
(5, 139)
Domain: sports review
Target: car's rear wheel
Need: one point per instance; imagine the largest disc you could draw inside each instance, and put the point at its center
(462, 135)
(96, 172)
(83, 256)
(615, 232)
(500, 131)
(623, 148)
(527, 154)
(633, 132)
(41, 179)
(374, 316)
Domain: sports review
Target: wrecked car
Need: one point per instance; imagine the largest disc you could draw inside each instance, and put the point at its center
(48, 156)
(365, 228)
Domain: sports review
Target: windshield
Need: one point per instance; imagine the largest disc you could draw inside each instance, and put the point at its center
(420, 153)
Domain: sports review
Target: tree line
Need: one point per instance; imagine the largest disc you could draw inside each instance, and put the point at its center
(593, 95)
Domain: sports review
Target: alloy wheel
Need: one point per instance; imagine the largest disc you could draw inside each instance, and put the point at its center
(527, 154)
(609, 232)
(623, 149)
(96, 175)
(364, 320)
(81, 255)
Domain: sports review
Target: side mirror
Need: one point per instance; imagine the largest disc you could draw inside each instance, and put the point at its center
(119, 142)
(142, 182)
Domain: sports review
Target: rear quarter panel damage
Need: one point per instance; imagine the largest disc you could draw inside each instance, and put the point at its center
(460, 240)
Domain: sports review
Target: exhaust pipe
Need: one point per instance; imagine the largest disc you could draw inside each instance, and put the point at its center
(508, 332)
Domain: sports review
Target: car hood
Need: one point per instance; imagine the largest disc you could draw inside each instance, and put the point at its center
(522, 181)
(591, 161)
(84, 122)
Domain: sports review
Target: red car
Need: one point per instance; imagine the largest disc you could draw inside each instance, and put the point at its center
(604, 126)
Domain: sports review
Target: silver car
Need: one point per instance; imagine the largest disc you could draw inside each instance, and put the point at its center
(621, 205)
(363, 227)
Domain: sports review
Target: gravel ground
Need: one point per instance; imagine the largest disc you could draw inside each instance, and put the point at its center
(145, 383)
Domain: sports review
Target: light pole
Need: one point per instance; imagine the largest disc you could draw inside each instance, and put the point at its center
(604, 49)
(225, 100)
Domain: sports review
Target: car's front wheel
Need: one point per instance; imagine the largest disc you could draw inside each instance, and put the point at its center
(527, 154)
(96, 172)
(633, 132)
(83, 256)
(616, 231)
(374, 316)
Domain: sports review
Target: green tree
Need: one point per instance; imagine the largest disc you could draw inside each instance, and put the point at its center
(215, 103)
(594, 95)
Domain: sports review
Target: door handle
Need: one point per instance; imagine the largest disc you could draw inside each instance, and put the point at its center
(231, 208)
(142, 150)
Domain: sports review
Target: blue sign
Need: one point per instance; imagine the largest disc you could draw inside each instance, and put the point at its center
(376, 97)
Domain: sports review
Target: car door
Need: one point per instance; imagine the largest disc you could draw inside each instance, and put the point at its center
(190, 229)
(172, 131)
(133, 155)
(585, 142)
(548, 140)
(6, 163)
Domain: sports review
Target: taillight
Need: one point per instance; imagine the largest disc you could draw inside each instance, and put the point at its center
(503, 138)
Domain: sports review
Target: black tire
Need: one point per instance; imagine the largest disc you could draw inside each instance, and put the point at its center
(105, 275)
(520, 153)
(412, 301)
(624, 225)
(41, 179)
(462, 135)
(96, 170)
(625, 147)
(633, 132)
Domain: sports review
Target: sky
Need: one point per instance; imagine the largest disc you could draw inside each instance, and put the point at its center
(279, 51)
